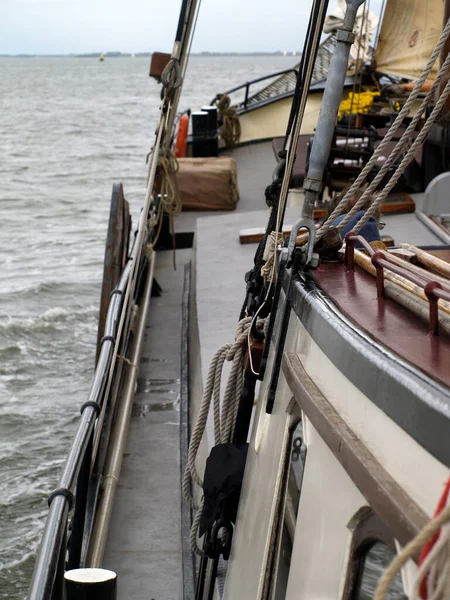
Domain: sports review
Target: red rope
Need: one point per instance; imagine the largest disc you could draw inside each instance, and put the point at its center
(430, 544)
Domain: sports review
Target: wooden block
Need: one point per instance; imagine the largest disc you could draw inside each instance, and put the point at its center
(403, 254)
(158, 63)
(388, 241)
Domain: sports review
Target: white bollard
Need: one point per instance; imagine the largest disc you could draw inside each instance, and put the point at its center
(90, 584)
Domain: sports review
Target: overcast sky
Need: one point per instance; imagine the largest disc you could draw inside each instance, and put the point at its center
(76, 26)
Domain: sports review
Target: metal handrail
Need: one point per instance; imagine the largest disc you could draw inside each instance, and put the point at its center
(247, 85)
(52, 548)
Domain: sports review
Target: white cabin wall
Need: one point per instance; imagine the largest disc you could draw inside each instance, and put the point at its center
(328, 501)
(246, 567)
(420, 474)
(329, 498)
(271, 120)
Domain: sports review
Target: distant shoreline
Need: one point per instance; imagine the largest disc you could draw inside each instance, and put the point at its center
(145, 54)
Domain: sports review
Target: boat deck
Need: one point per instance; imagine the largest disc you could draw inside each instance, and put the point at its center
(144, 545)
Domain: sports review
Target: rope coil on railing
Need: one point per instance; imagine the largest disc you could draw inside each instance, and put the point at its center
(170, 194)
(230, 129)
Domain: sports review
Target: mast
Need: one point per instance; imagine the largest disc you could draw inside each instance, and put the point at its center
(180, 57)
(324, 133)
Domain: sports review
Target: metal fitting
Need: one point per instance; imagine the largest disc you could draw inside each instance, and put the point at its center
(312, 185)
(348, 37)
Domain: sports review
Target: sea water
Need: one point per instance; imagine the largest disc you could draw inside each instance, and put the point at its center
(69, 128)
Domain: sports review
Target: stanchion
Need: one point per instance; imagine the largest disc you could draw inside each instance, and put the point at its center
(90, 584)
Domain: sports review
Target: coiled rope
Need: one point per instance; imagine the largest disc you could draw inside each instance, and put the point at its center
(230, 129)
(224, 413)
(170, 194)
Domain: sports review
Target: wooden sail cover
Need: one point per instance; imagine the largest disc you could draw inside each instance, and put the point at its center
(409, 33)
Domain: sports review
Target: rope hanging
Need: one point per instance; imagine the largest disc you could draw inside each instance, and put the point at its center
(170, 195)
(224, 413)
(231, 127)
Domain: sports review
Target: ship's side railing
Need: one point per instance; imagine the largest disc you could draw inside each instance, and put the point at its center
(285, 81)
(381, 260)
(285, 87)
(48, 576)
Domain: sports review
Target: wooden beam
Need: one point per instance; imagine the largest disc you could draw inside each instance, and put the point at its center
(393, 505)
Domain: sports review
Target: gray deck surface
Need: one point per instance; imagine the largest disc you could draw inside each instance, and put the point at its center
(144, 543)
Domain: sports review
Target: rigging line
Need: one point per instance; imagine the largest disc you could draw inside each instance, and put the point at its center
(191, 37)
(194, 27)
(400, 145)
(183, 59)
(311, 46)
(298, 85)
(303, 67)
(389, 135)
(321, 9)
(181, 21)
(407, 159)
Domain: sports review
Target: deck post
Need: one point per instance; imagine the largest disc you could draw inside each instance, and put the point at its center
(90, 584)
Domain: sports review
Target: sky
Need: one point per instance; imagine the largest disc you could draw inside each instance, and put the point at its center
(77, 26)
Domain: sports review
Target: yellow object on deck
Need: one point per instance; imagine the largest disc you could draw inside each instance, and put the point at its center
(101, 57)
(357, 102)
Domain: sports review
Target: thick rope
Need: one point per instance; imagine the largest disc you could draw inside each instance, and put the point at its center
(224, 414)
(170, 195)
(436, 567)
(393, 129)
(171, 77)
(407, 159)
(409, 552)
(231, 127)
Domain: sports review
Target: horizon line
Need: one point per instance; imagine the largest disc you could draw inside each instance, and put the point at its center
(114, 54)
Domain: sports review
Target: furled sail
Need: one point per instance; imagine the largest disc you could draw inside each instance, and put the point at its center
(409, 33)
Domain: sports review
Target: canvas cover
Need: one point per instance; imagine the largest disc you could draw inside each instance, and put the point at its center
(409, 33)
(208, 183)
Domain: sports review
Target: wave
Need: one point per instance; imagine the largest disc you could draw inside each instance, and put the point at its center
(48, 320)
(49, 288)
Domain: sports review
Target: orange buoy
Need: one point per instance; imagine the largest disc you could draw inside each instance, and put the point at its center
(181, 141)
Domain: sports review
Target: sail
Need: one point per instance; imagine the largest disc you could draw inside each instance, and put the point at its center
(409, 33)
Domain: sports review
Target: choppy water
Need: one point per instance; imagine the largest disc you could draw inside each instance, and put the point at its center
(69, 128)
